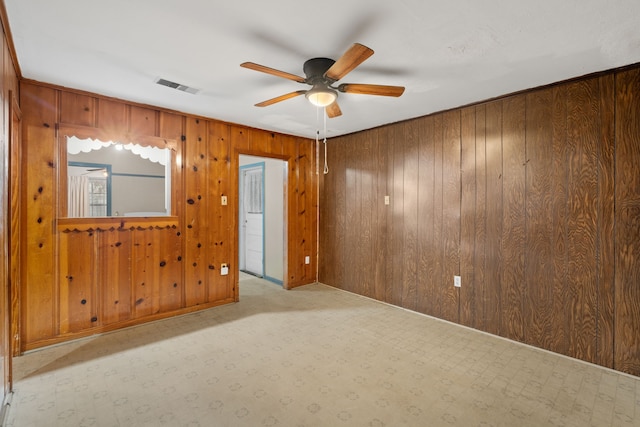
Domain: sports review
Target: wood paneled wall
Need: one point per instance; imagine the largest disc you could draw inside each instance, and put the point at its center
(10, 115)
(533, 199)
(103, 274)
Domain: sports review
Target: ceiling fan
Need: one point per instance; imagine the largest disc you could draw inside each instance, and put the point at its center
(321, 74)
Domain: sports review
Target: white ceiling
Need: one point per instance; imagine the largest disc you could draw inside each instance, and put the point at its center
(446, 53)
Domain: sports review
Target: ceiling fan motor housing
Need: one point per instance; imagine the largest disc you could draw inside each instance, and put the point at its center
(315, 68)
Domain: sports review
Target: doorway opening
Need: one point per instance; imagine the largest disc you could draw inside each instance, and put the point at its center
(262, 217)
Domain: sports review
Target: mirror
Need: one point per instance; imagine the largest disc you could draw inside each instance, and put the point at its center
(107, 179)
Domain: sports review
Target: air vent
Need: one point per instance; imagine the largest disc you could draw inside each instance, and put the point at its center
(177, 86)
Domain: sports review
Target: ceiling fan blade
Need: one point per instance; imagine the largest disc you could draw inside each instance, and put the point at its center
(365, 89)
(333, 110)
(272, 71)
(281, 98)
(353, 57)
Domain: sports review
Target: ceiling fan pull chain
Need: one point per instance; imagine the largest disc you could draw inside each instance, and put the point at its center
(326, 166)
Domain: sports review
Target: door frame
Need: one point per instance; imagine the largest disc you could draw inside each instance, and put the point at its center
(287, 212)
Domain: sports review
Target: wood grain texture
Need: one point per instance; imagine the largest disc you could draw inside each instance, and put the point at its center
(196, 221)
(438, 218)
(427, 245)
(450, 301)
(352, 213)
(367, 212)
(605, 334)
(144, 269)
(471, 292)
(14, 236)
(326, 263)
(480, 237)
(543, 187)
(113, 117)
(411, 156)
(582, 137)
(494, 201)
(558, 339)
(627, 219)
(143, 121)
(38, 307)
(397, 141)
(221, 219)
(539, 311)
(385, 141)
(308, 215)
(78, 282)
(114, 281)
(337, 154)
(379, 220)
(77, 109)
(514, 163)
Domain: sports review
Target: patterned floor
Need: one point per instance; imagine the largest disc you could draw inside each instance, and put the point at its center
(313, 356)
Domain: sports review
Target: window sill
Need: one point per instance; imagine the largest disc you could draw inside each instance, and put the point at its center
(119, 223)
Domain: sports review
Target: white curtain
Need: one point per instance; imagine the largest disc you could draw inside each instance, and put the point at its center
(78, 203)
(253, 191)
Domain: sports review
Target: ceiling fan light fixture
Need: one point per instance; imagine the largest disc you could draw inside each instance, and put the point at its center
(321, 96)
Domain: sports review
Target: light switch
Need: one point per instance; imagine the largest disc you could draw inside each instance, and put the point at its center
(224, 200)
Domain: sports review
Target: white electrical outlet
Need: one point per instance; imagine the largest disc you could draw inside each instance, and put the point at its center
(224, 269)
(386, 200)
(457, 281)
(307, 260)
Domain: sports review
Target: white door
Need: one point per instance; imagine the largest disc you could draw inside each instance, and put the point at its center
(252, 220)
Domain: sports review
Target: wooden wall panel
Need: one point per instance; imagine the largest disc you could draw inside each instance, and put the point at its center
(77, 109)
(352, 215)
(513, 217)
(533, 199)
(558, 339)
(146, 256)
(379, 220)
(480, 213)
(307, 217)
(78, 282)
(493, 251)
(583, 133)
(398, 214)
(152, 269)
(15, 209)
(627, 218)
(369, 201)
(326, 257)
(143, 121)
(438, 218)
(196, 224)
(426, 288)
(114, 252)
(409, 264)
(470, 293)
(450, 214)
(606, 224)
(337, 168)
(170, 282)
(294, 245)
(39, 293)
(221, 219)
(113, 116)
(538, 316)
